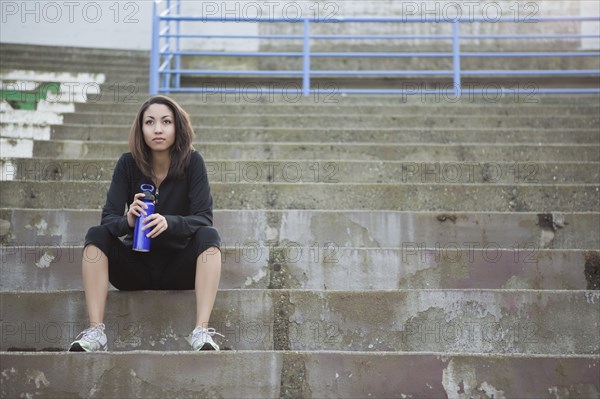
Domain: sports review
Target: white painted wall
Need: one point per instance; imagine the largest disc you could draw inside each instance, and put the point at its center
(127, 24)
(96, 24)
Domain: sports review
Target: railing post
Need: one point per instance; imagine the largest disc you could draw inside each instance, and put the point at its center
(154, 57)
(306, 60)
(167, 76)
(178, 47)
(456, 57)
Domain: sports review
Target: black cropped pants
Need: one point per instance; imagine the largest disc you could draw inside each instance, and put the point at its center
(130, 270)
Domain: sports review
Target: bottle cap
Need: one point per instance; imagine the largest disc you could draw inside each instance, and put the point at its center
(148, 197)
(147, 190)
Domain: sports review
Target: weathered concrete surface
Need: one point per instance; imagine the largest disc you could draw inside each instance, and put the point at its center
(329, 267)
(297, 374)
(490, 321)
(52, 267)
(343, 171)
(155, 320)
(370, 229)
(399, 197)
(470, 321)
(73, 149)
(202, 106)
(262, 134)
(141, 375)
(373, 120)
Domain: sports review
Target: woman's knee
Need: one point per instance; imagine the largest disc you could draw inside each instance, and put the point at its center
(93, 254)
(99, 241)
(97, 235)
(207, 237)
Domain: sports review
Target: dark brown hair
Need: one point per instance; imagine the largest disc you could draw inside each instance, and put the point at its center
(181, 149)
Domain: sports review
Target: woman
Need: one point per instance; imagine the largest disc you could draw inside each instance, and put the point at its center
(185, 248)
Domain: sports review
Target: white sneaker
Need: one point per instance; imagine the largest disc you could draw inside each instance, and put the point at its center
(92, 339)
(202, 339)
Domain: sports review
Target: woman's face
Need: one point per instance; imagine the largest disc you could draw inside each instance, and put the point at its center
(158, 126)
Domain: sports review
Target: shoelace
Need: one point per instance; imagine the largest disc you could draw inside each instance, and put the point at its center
(92, 332)
(209, 331)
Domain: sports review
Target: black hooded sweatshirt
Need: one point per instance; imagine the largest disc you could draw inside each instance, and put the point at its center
(185, 202)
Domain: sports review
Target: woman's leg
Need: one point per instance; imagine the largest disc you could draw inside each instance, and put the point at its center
(94, 267)
(208, 275)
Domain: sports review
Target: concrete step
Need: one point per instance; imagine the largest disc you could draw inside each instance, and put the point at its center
(205, 105)
(466, 321)
(294, 64)
(323, 196)
(407, 152)
(535, 100)
(327, 266)
(332, 135)
(509, 100)
(284, 374)
(365, 120)
(18, 50)
(358, 229)
(229, 171)
(206, 108)
(114, 73)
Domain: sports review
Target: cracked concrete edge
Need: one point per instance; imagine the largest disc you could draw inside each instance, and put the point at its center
(305, 374)
(511, 321)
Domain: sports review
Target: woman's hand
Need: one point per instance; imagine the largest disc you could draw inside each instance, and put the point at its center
(157, 222)
(136, 209)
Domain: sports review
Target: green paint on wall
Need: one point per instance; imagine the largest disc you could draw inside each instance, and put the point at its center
(28, 100)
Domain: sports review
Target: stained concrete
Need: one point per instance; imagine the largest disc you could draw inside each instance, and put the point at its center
(484, 321)
(323, 196)
(299, 374)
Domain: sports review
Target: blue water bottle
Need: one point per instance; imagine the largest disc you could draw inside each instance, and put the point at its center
(141, 243)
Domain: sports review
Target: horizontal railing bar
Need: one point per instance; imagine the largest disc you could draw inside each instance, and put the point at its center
(299, 54)
(218, 72)
(379, 37)
(530, 54)
(208, 36)
(383, 37)
(532, 72)
(299, 37)
(449, 91)
(386, 73)
(314, 73)
(377, 20)
(556, 36)
(383, 55)
(232, 54)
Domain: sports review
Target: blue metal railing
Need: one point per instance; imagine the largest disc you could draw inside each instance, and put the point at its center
(171, 74)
